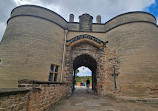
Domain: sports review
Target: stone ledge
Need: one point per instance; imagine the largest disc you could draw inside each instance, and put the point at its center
(26, 81)
(12, 91)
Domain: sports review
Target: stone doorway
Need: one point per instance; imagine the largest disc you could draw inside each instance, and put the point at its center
(86, 50)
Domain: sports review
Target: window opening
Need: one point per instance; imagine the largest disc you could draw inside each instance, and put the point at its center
(53, 73)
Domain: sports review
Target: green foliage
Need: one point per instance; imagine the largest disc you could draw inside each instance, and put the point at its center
(84, 78)
(77, 71)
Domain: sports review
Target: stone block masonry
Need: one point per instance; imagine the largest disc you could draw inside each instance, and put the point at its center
(31, 96)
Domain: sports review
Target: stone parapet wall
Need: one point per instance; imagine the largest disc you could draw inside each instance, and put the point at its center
(38, 96)
(44, 13)
(122, 19)
(14, 99)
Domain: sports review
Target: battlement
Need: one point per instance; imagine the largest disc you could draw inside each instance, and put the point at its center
(85, 21)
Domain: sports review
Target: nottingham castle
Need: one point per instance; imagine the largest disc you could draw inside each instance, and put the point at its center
(39, 44)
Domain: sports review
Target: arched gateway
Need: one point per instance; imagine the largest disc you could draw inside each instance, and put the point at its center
(88, 61)
(86, 50)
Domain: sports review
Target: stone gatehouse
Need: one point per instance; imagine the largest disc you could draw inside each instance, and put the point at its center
(39, 44)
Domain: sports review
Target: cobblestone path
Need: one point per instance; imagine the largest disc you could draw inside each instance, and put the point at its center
(81, 100)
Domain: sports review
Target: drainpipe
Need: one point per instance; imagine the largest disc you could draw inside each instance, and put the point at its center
(62, 67)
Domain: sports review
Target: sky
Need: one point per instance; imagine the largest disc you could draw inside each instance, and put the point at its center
(84, 71)
(106, 8)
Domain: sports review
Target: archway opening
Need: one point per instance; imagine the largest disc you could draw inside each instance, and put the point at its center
(81, 75)
(89, 62)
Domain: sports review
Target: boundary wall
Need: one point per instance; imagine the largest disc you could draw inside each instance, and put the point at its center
(32, 96)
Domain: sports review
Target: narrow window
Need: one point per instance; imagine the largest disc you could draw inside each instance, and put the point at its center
(56, 69)
(56, 73)
(55, 77)
(52, 68)
(50, 76)
(53, 73)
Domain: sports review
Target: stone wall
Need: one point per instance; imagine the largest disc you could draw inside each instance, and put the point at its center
(137, 52)
(35, 96)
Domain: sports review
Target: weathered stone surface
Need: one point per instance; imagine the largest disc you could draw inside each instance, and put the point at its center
(101, 73)
(85, 21)
(42, 99)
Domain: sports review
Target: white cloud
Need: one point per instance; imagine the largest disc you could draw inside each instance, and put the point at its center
(21, 2)
(5, 8)
(84, 71)
(52, 6)
(2, 28)
(106, 8)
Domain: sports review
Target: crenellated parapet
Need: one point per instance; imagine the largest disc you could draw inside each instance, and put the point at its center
(85, 21)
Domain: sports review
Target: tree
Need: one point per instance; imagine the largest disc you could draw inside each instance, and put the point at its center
(77, 71)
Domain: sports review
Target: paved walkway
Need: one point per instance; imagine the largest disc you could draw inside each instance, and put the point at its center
(81, 100)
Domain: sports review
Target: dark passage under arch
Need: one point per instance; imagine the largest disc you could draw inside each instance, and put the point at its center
(87, 61)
